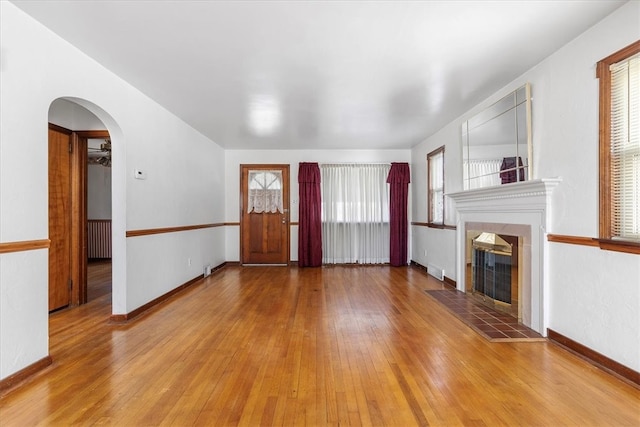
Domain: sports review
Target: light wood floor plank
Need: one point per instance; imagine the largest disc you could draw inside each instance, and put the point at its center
(326, 346)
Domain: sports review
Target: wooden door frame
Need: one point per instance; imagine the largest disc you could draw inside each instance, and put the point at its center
(79, 196)
(78, 219)
(78, 267)
(286, 202)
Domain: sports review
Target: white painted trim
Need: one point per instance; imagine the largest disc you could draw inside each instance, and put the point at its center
(529, 194)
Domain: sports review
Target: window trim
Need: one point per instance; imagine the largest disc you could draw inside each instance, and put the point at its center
(430, 222)
(604, 76)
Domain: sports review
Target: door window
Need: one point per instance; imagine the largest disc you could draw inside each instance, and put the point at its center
(265, 191)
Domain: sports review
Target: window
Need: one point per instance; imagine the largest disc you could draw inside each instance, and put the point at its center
(435, 186)
(265, 191)
(619, 76)
(355, 213)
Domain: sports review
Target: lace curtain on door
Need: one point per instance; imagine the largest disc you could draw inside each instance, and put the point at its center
(265, 191)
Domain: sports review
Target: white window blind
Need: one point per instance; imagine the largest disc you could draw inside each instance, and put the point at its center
(436, 187)
(625, 149)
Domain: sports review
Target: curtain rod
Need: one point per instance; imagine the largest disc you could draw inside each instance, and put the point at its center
(353, 163)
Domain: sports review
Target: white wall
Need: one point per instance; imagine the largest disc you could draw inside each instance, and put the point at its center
(594, 294)
(72, 116)
(98, 192)
(234, 158)
(432, 245)
(185, 183)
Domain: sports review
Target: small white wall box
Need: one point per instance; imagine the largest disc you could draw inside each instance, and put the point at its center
(139, 174)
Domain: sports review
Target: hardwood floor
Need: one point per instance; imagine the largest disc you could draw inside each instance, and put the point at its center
(326, 346)
(98, 279)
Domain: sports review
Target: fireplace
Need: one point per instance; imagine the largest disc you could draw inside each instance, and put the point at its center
(521, 213)
(492, 273)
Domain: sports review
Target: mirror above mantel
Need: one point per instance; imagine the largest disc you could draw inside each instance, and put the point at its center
(497, 142)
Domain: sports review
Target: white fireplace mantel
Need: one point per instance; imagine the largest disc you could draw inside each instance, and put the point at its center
(512, 209)
(525, 195)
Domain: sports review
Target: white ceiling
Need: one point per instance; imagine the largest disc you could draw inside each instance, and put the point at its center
(318, 74)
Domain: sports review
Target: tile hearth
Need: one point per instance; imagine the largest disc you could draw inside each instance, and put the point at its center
(493, 325)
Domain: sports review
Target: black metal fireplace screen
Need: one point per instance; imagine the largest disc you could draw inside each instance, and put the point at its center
(492, 259)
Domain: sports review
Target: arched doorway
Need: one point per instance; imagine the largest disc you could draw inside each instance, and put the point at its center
(83, 124)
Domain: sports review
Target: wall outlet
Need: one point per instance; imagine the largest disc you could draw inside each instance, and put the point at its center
(207, 270)
(188, 262)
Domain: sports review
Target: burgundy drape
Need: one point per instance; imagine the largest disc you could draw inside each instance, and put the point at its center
(510, 175)
(399, 178)
(309, 216)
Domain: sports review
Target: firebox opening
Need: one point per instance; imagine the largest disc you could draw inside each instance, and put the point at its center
(493, 271)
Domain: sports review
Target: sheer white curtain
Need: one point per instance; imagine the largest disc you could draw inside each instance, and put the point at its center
(355, 213)
(484, 173)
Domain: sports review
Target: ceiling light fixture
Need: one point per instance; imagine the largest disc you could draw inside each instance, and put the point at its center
(264, 115)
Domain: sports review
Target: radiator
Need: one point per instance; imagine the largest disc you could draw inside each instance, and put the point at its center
(99, 238)
(435, 271)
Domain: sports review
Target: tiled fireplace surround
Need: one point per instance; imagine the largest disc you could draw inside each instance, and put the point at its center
(521, 209)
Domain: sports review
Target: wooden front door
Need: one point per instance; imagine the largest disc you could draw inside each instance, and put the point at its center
(59, 218)
(264, 228)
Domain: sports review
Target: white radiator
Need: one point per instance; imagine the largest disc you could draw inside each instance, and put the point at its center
(435, 271)
(99, 238)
